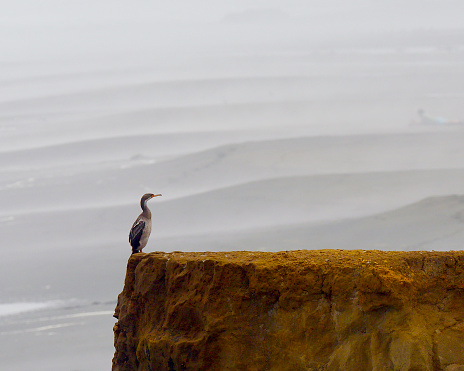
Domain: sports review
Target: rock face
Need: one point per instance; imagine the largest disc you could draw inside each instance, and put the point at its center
(296, 310)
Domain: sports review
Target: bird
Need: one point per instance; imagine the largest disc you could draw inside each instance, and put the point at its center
(141, 229)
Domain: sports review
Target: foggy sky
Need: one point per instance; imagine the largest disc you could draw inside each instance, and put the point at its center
(63, 30)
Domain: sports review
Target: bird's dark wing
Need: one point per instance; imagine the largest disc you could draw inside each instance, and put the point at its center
(136, 233)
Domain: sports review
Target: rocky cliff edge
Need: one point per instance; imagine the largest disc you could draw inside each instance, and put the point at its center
(295, 310)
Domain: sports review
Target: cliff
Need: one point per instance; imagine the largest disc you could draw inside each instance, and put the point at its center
(295, 310)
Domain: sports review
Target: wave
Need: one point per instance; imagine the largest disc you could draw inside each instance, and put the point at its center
(8, 309)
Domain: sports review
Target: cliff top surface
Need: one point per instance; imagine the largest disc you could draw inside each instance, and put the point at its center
(319, 257)
(399, 264)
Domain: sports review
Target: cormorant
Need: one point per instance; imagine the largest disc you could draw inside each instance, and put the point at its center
(141, 229)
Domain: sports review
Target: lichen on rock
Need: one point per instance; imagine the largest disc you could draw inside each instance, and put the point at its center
(294, 310)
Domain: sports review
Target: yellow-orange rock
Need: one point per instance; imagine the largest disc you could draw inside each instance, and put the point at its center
(295, 310)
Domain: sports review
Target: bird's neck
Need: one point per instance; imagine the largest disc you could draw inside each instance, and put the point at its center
(146, 211)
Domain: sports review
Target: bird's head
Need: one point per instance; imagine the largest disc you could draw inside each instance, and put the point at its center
(146, 197)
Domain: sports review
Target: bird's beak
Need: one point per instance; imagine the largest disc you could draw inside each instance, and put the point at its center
(156, 195)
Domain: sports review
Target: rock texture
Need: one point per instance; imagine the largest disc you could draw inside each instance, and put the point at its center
(296, 310)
